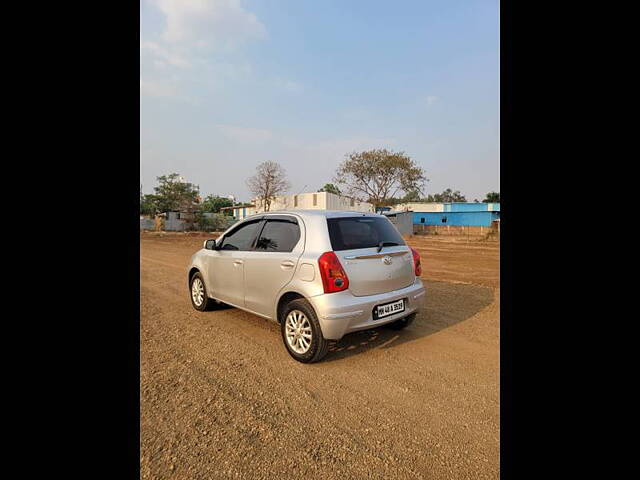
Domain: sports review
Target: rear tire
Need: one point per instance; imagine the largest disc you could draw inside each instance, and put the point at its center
(403, 322)
(198, 293)
(298, 321)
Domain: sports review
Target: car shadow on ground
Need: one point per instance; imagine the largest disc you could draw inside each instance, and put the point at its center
(215, 306)
(446, 305)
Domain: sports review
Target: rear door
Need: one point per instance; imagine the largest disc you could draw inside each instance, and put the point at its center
(226, 265)
(272, 263)
(372, 253)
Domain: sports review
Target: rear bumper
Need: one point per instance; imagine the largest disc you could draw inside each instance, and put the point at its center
(341, 313)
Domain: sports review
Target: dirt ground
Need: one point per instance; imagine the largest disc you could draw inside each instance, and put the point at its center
(221, 398)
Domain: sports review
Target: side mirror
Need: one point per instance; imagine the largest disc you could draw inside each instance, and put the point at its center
(210, 244)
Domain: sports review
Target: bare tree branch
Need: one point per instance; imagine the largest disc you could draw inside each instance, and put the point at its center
(268, 182)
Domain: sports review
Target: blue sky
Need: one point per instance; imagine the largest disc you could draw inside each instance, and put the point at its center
(227, 84)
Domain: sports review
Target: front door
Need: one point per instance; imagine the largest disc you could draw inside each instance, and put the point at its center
(226, 264)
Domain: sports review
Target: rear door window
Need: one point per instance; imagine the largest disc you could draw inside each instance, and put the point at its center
(350, 233)
(278, 236)
(242, 237)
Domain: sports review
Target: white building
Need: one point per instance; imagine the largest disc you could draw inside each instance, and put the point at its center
(304, 201)
(419, 207)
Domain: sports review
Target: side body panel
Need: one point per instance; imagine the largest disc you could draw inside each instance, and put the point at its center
(225, 276)
(223, 271)
(267, 273)
(307, 281)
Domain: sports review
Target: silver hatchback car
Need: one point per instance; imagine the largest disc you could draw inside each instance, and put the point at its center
(320, 274)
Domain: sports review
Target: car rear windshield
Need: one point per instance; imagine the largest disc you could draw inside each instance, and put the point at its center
(349, 233)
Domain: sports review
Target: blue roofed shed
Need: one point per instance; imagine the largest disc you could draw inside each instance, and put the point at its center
(459, 214)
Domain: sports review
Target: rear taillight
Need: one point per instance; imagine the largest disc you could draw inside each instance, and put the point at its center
(334, 278)
(417, 267)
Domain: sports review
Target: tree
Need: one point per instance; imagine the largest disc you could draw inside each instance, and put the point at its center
(209, 223)
(492, 197)
(200, 221)
(213, 203)
(174, 194)
(455, 196)
(330, 188)
(411, 196)
(268, 182)
(376, 176)
(148, 204)
(448, 196)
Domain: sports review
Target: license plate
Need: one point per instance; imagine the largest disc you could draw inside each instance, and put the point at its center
(390, 308)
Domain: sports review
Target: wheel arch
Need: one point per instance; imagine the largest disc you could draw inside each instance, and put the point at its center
(197, 265)
(192, 271)
(285, 298)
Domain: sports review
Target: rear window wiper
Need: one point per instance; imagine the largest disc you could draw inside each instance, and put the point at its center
(386, 244)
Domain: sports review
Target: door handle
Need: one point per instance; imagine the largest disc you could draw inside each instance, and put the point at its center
(287, 264)
(238, 262)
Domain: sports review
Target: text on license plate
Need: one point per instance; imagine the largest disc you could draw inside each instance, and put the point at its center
(390, 308)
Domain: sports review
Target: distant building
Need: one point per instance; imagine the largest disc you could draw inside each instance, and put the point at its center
(240, 211)
(381, 210)
(402, 220)
(466, 214)
(303, 201)
(146, 223)
(177, 221)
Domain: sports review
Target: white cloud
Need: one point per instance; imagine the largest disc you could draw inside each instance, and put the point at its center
(245, 134)
(196, 37)
(356, 114)
(165, 55)
(430, 99)
(288, 85)
(209, 23)
(153, 89)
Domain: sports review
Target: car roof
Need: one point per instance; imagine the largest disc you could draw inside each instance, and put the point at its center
(310, 215)
(321, 213)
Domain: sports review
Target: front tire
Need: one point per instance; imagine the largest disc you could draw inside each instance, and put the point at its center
(301, 332)
(198, 293)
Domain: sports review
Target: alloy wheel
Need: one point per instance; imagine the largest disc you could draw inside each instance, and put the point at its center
(197, 292)
(298, 331)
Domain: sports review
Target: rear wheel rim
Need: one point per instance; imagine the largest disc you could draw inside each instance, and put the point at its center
(298, 332)
(197, 292)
